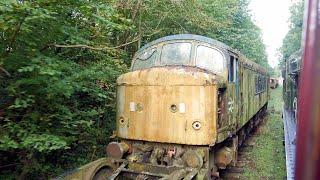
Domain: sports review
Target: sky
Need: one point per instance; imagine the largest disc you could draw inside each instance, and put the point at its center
(272, 16)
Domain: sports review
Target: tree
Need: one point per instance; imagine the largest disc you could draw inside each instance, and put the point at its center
(228, 21)
(59, 63)
(292, 40)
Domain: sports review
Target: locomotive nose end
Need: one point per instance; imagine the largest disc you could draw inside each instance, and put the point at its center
(168, 104)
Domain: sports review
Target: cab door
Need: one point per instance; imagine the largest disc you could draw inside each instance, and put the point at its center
(233, 92)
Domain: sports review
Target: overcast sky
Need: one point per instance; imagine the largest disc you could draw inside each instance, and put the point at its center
(272, 17)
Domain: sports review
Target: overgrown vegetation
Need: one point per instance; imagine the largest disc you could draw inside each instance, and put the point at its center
(268, 156)
(59, 61)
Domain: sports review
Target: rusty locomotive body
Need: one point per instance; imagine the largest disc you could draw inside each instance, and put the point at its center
(182, 111)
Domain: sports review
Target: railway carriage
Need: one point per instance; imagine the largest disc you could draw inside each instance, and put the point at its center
(182, 111)
(290, 74)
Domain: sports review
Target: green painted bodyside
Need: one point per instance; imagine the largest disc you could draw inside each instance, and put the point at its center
(244, 103)
(290, 74)
(289, 93)
(251, 101)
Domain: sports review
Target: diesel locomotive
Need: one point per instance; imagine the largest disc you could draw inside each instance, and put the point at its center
(183, 110)
(273, 83)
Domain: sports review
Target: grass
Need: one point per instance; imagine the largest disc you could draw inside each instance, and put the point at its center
(267, 157)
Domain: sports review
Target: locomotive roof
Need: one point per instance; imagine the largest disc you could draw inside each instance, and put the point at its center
(211, 41)
(187, 37)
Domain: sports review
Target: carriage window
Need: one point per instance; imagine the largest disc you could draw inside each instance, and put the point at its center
(146, 59)
(209, 58)
(260, 82)
(176, 54)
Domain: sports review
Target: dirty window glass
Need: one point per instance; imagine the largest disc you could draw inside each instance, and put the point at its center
(260, 81)
(176, 54)
(145, 59)
(210, 59)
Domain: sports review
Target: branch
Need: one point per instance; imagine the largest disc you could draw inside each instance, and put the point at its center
(135, 10)
(179, 24)
(88, 47)
(5, 71)
(155, 32)
(5, 166)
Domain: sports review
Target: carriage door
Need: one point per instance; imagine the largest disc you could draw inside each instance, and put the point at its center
(233, 92)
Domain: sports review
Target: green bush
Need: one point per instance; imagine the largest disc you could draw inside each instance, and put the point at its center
(58, 102)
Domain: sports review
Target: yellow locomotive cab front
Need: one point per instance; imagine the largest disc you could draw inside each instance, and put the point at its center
(167, 104)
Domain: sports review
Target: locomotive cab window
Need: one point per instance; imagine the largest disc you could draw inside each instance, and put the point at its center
(210, 58)
(146, 59)
(176, 53)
